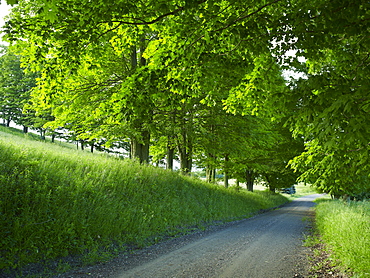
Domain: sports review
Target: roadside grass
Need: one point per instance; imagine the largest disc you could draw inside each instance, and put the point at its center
(344, 227)
(56, 202)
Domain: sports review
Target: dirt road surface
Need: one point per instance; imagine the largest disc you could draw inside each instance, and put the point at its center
(268, 245)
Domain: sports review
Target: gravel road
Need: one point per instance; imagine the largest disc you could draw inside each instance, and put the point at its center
(268, 245)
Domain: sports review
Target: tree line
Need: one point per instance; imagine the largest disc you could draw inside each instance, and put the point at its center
(241, 146)
(203, 80)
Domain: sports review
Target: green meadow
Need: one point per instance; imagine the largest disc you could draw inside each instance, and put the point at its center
(57, 202)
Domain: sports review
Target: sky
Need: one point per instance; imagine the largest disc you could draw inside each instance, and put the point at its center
(4, 10)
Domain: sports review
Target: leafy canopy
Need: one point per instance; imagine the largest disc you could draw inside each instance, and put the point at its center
(188, 49)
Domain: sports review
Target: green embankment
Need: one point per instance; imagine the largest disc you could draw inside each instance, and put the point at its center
(345, 229)
(56, 201)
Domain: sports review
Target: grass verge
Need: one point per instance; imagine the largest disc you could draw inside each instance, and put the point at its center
(57, 202)
(344, 228)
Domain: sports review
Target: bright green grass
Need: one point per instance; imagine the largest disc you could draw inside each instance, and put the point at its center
(345, 228)
(56, 202)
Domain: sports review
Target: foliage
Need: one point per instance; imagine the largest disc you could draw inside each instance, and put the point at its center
(15, 87)
(345, 229)
(276, 171)
(335, 173)
(330, 104)
(148, 70)
(56, 202)
(128, 79)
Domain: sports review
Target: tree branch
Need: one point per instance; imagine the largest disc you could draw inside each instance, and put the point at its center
(238, 19)
(159, 18)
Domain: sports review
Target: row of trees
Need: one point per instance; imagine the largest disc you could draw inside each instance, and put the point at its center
(16, 84)
(204, 77)
(242, 146)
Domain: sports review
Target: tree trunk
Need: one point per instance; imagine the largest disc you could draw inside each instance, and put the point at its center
(210, 175)
(170, 156)
(133, 57)
(186, 162)
(171, 145)
(140, 148)
(271, 187)
(25, 129)
(237, 185)
(226, 180)
(211, 170)
(185, 149)
(226, 172)
(42, 134)
(139, 145)
(250, 180)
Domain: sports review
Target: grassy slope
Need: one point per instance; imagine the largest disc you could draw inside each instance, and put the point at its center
(57, 201)
(345, 229)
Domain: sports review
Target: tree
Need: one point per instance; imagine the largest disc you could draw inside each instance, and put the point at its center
(107, 98)
(253, 154)
(15, 87)
(331, 104)
(277, 173)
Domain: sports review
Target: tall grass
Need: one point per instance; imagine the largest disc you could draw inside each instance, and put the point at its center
(345, 228)
(55, 202)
